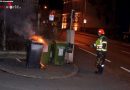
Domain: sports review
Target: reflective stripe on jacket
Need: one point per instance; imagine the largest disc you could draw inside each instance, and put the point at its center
(101, 44)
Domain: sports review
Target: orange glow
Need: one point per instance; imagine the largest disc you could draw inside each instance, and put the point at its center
(64, 25)
(38, 39)
(42, 66)
(76, 26)
(64, 21)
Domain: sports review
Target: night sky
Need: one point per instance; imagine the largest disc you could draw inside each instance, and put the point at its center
(121, 11)
(123, 14)
(52, 4)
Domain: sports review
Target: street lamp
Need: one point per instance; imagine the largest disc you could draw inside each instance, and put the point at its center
(84, 21)
(45, 7)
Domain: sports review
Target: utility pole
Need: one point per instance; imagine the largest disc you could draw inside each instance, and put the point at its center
(70, 40)
(85, 21)
(85, 8)
(71, 18)
(38, 22)
(4, 32)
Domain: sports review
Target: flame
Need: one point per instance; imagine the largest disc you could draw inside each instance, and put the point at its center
(42, 66)
(38, 39)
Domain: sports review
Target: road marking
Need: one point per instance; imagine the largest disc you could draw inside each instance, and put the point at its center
(92, 53)
(107, 60)
(80, 44)
(21, 57)
(126, 44)
(18, 60)
(125, 52)
(125, 69)
(88, 51)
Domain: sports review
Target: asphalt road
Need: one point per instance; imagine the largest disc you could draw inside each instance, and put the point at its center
(118, 53)
(116, 75)
(84, 80)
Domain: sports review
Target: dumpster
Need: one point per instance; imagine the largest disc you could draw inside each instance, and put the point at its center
(59, 53)
(47, 55)
(34, 51)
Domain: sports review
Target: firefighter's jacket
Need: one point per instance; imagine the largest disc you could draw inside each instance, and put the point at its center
(101, 44)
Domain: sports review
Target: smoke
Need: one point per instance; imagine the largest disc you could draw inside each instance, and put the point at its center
(22, 20)
(25, 29)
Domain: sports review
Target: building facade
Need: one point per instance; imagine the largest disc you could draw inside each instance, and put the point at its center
(89, 14)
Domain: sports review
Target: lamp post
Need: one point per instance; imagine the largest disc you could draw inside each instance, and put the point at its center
(38, 22)
(4, 32)
(70, 39)
(84, 21)
(71, 18)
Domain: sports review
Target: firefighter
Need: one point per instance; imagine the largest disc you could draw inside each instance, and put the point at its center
(101, 49)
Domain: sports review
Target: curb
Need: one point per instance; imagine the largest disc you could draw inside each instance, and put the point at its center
(12, 72)
(75, 71)
(12, 52)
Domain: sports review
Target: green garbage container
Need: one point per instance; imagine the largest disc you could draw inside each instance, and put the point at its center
(45, 58)
(59, 53)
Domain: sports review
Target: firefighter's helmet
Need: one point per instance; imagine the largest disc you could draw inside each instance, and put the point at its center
(101, 31)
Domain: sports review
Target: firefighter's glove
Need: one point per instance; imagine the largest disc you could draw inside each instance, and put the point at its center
(92, 46)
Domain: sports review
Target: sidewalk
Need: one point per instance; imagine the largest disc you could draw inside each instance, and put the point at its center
(11, 63)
